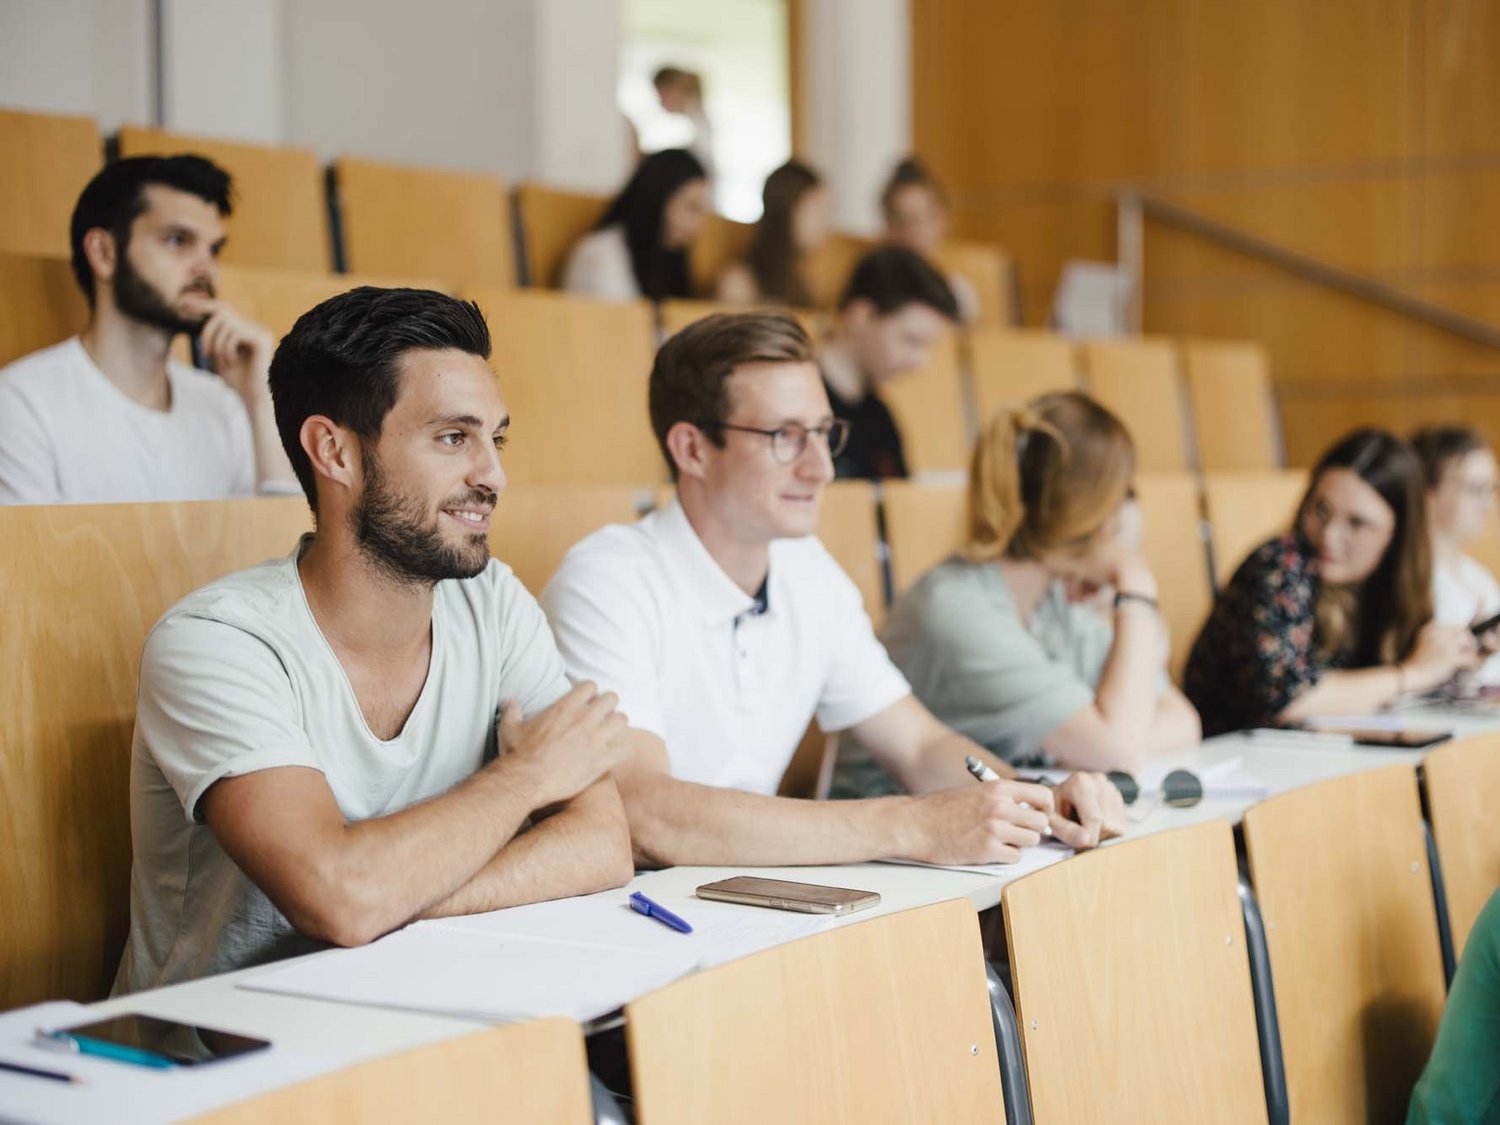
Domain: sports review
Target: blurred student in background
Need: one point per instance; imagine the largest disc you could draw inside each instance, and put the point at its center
(681, 91)
(915, 206)
(793, 224)
(640, 247)
(1334, 617)
(895, 308)
(1003, 642)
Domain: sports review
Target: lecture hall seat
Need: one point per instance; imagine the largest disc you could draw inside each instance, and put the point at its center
(1139, 380)
(1462, 781)
(1246, 509)
(40, 304)
(398, 220)
(885, 1019)
(1132, 984)
(1340, 870)
(45, 161)
(550, 222)
(1010, 367)
(280, 218)
(534, 1072)
(80, 587)
(1233, 401)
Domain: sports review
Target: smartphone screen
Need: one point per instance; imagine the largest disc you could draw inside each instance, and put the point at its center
(183, 1043)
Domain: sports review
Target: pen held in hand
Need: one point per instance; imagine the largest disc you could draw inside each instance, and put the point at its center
(983, 772)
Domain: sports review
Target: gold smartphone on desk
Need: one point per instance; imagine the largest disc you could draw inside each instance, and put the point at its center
(783, 894)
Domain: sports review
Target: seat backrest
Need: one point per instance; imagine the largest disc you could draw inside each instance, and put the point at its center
(1132, 983)
(79, 589)
(45, 161)
(280, 215)
(828, 268)
(574, 373)
(536, 524)
(1340, 869)
(989, 271)
(534, 1071)
(1234, 406)
(678, 314)
(1173, 514)
(886, 1019)
(1139, 381)
(849, 528)
(924, 524)
(276, 298)
(40, 304)
(720, 242)
(550, 222)
(1246, 509)
(1463, 792)
(1011, 367)
(930, 409)
(425, 222)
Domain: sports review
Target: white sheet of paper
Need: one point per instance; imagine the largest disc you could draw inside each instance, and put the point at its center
(721, 931)
(1032, 859)
(120, 1092)
(496, 977)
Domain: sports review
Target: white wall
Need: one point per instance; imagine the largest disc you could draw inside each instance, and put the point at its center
(856, 79)
(77, 56)
(581, 137)
(222, 67)
(443, 82)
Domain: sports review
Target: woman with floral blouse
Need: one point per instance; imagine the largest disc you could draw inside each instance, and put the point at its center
(1334, 617)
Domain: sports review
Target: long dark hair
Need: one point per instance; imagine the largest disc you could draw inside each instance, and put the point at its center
(1396, 600)
(775, 258)
(639, 208)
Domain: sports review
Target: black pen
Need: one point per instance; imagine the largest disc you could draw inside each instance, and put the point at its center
(38, 1072)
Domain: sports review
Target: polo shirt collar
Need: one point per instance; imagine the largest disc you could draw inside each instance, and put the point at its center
(718, 599)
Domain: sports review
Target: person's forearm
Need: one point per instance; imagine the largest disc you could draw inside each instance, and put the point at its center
(1127, 694)
(1345, 693)
(939, 763)
(381, 873)
(1176, 724)
(678, 822)
(582, 848)
(271, 464)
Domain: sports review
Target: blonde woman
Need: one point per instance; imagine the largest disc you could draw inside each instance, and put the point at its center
(1004, 640)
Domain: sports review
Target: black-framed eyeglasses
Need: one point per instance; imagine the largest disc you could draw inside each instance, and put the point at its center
(789, 442)
(1180, 789)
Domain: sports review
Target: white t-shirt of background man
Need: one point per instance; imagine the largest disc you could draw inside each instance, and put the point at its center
(70, 436)
(1464, 592)
(237, 677)
(645, 611)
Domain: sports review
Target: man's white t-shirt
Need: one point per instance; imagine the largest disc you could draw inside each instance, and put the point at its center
(70, 436)
(645, 611)
(237, 677)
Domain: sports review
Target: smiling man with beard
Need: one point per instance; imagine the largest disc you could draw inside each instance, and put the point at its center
(376, 728)
(106, 415)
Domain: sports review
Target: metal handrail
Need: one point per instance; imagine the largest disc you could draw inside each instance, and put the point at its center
(1136, 207)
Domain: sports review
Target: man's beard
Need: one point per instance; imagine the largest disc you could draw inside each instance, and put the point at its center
(138, 299)
(396, 533)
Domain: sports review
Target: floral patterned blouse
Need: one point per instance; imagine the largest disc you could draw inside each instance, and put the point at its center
(1257, 651)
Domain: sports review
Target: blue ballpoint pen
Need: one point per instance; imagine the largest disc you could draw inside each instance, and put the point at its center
(643, 905)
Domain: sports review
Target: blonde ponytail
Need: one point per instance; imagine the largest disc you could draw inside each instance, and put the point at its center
(997, 506)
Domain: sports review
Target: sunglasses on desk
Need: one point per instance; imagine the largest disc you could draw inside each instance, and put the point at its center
(1180, 789)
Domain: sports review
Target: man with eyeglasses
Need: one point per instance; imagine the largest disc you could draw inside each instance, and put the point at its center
(724, 626)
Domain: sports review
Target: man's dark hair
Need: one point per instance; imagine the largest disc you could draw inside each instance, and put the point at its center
(669, 74)
(342, 359)
(688, 380)
(116, 196)
(1437, 447)
(892, 277)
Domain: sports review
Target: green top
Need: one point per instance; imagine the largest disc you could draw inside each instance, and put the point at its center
(1461, 1084)
(970, 658)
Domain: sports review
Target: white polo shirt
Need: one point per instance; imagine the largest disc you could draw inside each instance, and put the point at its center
(644, 611)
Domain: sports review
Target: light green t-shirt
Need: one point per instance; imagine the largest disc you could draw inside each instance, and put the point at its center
(982, 670)
(237, 677)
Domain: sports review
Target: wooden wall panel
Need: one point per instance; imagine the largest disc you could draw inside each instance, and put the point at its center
(1361, 132)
